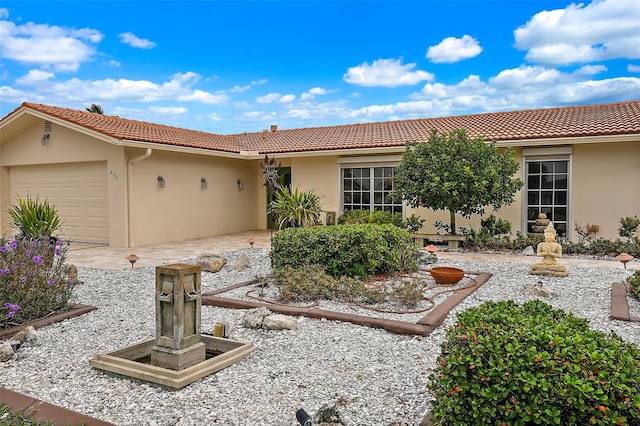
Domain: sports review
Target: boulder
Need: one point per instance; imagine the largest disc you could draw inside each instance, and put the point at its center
(243, 262)
(536, 289)
(253, 318)
(329, 414)
(528, 251)
(210, 262)
(279, 322)
(27, 335)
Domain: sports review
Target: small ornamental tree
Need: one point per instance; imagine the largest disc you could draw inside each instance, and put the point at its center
(454, 173)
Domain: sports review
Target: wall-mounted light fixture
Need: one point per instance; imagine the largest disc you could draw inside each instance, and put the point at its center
(240, 184)
(204, 183)
(162, 181)
(44, 139)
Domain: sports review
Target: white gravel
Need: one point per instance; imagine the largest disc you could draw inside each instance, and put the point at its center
(375, 377)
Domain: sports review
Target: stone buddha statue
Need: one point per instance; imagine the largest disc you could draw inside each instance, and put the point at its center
(550, 251)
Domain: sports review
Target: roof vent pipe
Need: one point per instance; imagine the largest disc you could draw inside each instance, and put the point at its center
(274, 128)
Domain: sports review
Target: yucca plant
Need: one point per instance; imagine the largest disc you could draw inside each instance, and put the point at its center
(296, 208)
(34, 219)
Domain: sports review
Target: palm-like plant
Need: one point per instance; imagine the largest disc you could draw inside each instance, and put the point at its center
(34, 219)
(296, 208)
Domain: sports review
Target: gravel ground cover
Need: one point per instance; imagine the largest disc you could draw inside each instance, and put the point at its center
(372, 376)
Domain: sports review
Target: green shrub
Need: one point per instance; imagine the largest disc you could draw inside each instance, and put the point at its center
(634, 285)
(350, 250)
(504, 364)
(33, 280)
(34, 219)
(494, 226)
(629, 228)
(412, 223)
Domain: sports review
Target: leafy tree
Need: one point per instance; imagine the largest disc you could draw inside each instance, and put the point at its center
(95, 108)
(454, 173)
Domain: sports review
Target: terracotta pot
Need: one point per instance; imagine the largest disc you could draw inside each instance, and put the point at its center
(446, 274)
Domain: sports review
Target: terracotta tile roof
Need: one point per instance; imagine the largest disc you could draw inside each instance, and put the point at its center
(580, 121)
(140, 131)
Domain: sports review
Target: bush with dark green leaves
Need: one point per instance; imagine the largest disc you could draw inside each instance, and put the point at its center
(505, 364)
(412, 223)
(634, 285)
(351, 250)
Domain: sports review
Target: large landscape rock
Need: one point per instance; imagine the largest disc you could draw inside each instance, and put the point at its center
(210, 262)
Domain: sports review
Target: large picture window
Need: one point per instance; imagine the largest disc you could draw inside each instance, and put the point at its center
(548, 193)
(369, 188)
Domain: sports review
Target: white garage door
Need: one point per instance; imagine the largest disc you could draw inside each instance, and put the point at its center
(78, 191)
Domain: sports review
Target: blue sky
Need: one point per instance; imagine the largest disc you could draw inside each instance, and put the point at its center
(240, 66)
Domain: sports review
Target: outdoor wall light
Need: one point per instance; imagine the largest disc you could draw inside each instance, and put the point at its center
(204, 183)
(240, 184)
(44, 139)
(162, 181)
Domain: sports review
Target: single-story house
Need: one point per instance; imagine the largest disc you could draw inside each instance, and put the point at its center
(129, 183)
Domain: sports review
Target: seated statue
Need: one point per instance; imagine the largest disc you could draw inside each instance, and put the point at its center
(550, 251)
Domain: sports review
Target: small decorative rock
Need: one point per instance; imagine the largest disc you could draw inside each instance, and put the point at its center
(426, 258)
(243, 262)
(6, 352)
(279, 322)
(536, 289)
(528, 251)
(329, 414)
(71, 271)
(211, 263)
(253, 318)
(27, 335)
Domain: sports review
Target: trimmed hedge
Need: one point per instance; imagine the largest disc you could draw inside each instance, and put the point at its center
(346, 250)
(505, 364)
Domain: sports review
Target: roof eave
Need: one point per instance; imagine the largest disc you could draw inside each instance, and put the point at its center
(575, 140)
(185, 149)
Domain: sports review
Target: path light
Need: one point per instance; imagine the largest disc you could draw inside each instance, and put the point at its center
(431, 248)
(132, 258)
(624, 258)
(251, 241)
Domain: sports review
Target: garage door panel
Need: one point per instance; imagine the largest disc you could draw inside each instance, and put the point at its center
(79, 192)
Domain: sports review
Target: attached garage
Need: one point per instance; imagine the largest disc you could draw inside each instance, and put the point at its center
(78, 190)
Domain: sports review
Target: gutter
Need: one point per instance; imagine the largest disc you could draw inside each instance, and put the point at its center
(130, 210)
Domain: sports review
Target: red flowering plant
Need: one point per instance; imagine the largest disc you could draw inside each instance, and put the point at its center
(33, 279)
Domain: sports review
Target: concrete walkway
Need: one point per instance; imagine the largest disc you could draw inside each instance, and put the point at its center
(105, 257)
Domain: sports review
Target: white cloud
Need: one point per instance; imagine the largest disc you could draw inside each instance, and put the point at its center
(313, 92)
(204, 97)
(168, 110)
(114, 63)
(214, 117)
(267, 99)
(4, 13)
(591, 69)
(240, 89)
(633, 68)
(45, 45)
(134, 41)
(318, 91)
(287, 98)
(386, 73)
(453, 49)
(601, 30)
(34, 77)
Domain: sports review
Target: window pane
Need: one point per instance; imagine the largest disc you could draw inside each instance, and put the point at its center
(560, 214)
(560, 198)
(378, 172)
(366, 198)
(366, 184)
(532, 213)
(547, 167)
(533, 197)
(348, 184)
(533, 182)
(547, 181)
(357, 198)
(546, 198)
(533, 168)
(366, 173)
(356, 172)
(561, 229)
(377, 198)
(561, 182)
(547, 211)
(561, 166)
(347, 173)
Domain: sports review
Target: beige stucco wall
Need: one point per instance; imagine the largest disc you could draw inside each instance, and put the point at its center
(322, 174)
(66, 146)
(605, 185)
(183, 209)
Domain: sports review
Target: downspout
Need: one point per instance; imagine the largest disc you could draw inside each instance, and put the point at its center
(130, 209)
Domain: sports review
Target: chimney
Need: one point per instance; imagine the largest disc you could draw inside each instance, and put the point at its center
(274, 128)
(264, 135)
